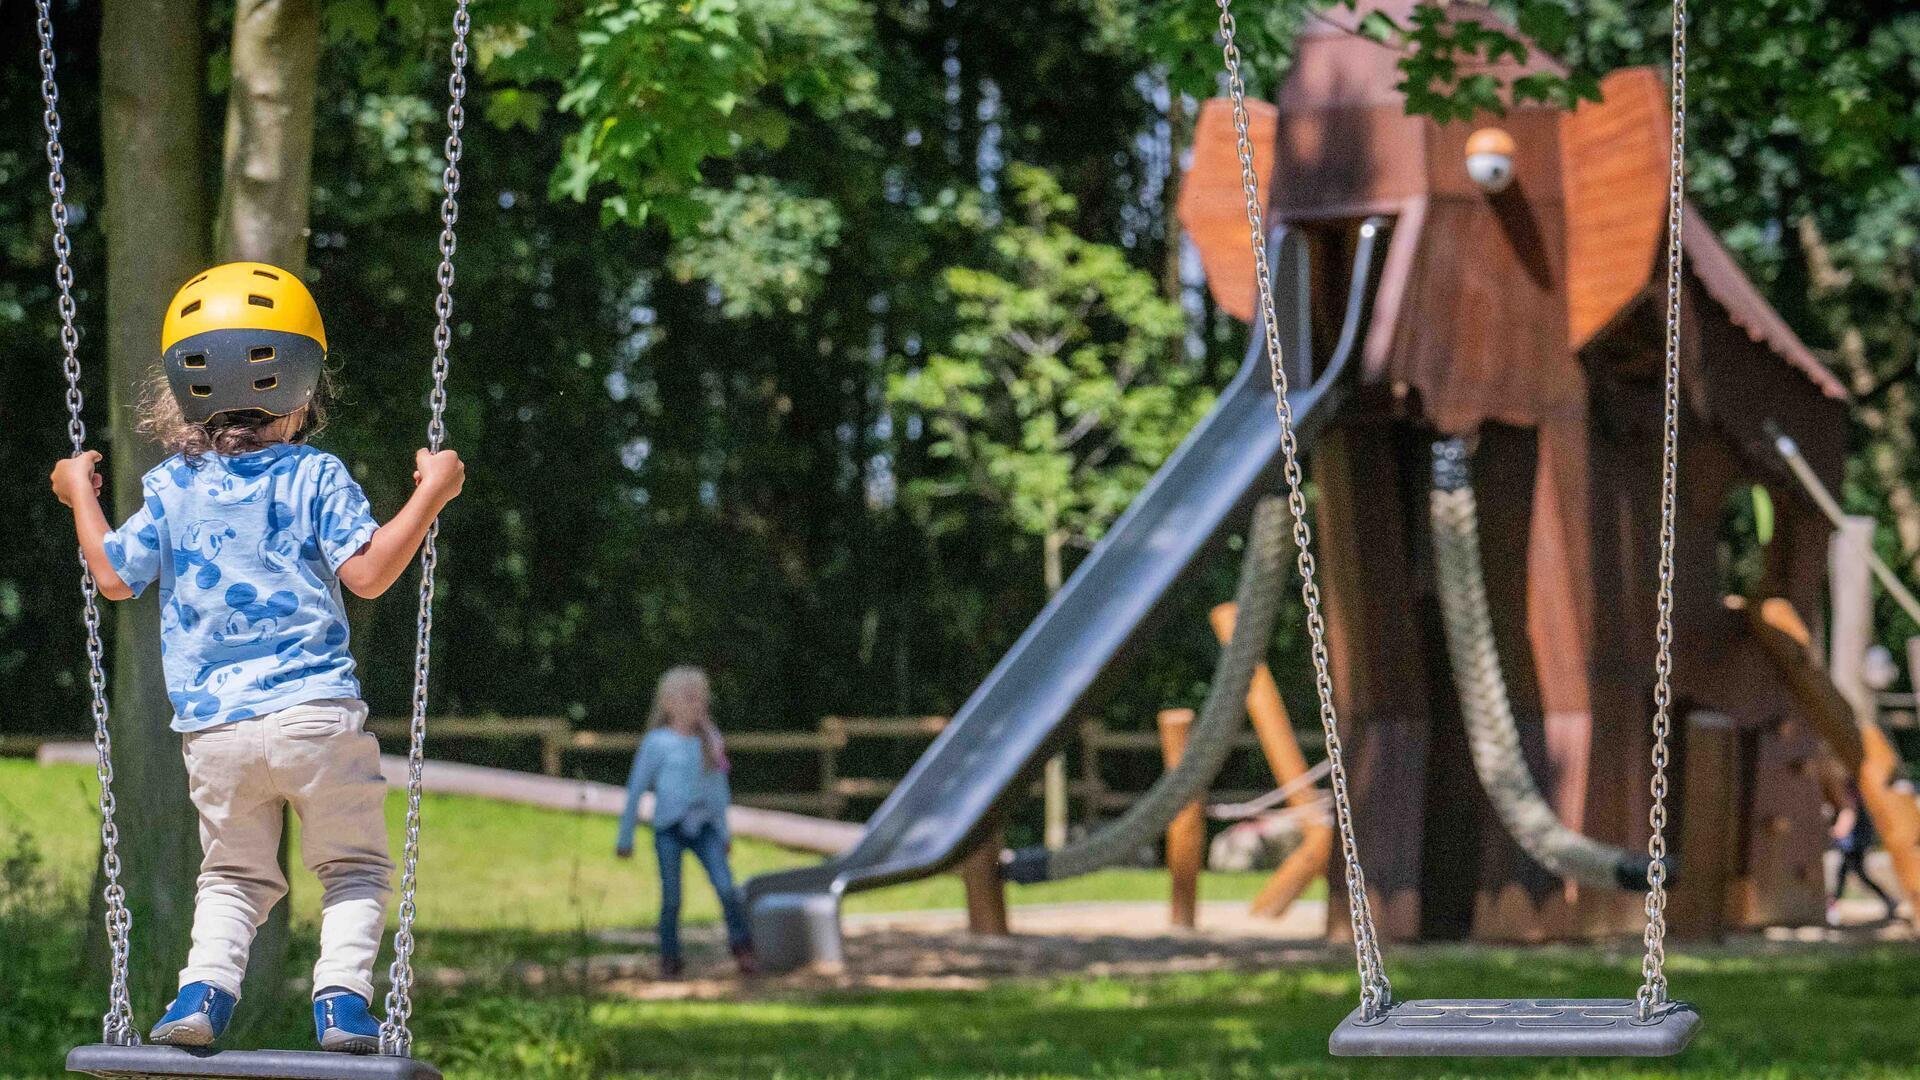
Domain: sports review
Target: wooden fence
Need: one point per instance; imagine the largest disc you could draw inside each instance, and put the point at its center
(832, 790)
(829, 792)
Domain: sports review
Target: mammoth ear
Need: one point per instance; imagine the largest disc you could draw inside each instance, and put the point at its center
(1613, 160)
(1213, 208)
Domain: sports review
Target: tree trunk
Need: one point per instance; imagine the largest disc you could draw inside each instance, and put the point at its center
(266, 186)
(1053, 784)
(153, 68)
(1179, 134)
(267, 174)
(1892, 444)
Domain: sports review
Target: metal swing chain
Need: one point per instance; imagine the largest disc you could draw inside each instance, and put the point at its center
(1653, 990)
(1376, 994)
(116, 1025)
(395, 1036)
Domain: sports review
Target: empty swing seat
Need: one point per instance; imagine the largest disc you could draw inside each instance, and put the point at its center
(144, 1061)
(1515, 1027)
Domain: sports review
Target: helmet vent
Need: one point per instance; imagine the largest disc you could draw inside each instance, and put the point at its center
(267, 383)
(190, 309)
(194, 360)
(198, 280)
(201, 391)
(260, 301)
(260, 354)
(266, 274)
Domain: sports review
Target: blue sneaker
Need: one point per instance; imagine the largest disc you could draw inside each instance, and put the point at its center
(197, 1016)
(343, 1022)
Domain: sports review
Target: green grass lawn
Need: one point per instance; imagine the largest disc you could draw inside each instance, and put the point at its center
(504, 882)
(1802, 1015)
(528, 879)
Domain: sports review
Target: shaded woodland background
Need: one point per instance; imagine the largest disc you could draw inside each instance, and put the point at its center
(676, 378)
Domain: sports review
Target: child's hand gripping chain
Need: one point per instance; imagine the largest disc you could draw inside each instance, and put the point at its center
(438, 478)
(77, 482)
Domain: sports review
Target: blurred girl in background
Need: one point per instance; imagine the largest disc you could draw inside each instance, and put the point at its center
(683, 762)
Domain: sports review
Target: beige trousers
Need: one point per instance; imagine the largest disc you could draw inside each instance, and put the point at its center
(318, 759)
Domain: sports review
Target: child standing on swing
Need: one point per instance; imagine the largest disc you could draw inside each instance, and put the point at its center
(250, 534)
(683, 761)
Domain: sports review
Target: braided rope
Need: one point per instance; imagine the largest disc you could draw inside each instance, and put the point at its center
(1485, 707)
(1212, 736)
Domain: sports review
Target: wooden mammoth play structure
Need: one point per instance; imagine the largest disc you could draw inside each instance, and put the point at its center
(1488, 504)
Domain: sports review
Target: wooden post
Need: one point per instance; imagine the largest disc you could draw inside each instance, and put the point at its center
(1053, 795)
(833, 736)
(1913, 672)
(1710, 886)
(1308, 862)
(986, 889)
(1092, 785)
(1851, 586)
(1187, 833)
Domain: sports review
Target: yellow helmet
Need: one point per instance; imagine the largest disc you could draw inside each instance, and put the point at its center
(243, 337)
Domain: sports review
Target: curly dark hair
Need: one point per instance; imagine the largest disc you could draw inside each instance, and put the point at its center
(160, 419)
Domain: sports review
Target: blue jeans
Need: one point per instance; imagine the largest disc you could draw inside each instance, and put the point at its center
(709, 845)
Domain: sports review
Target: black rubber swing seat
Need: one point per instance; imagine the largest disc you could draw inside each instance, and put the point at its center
(142, 1061)
(1514, 1027)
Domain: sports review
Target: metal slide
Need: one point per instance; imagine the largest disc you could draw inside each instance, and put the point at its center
(1229, 457)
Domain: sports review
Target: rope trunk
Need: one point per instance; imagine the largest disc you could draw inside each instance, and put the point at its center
(1485, 707)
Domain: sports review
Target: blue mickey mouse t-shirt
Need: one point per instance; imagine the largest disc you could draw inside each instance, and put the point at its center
(247, 551)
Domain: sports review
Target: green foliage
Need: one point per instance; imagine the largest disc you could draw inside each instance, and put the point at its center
(1803, 138)
(658, 89)
(1439, 73)
(1182, 38)
(1063, 385)
(41, 925)
(762, 246)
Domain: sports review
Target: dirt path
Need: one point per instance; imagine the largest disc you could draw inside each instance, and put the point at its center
(933, 950)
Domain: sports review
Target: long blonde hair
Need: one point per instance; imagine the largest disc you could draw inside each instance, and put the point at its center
(676, 686)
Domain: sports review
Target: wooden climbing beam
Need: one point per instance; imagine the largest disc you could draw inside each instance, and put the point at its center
(1860, 745)
(1187, 832)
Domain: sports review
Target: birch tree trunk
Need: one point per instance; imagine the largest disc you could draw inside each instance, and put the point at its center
(267, 164)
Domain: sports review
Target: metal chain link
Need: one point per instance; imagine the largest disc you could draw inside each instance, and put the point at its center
(116, 1025)
(396, 1038)
(1653, 990)
(1376, 994)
